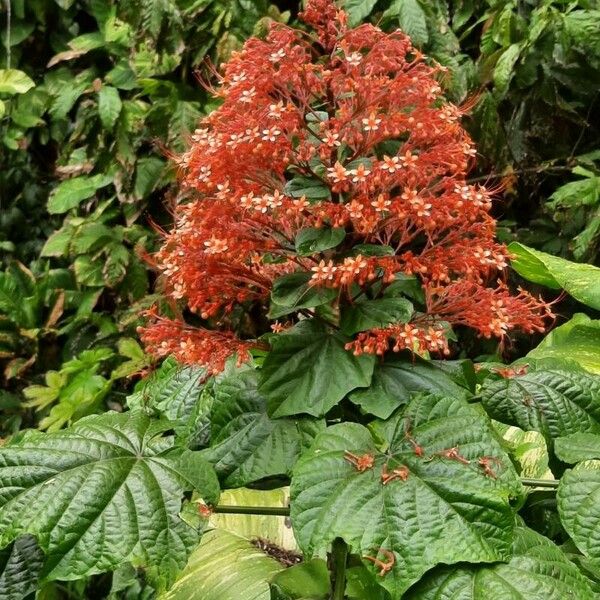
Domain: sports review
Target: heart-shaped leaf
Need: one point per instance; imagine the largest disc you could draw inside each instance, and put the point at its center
(104, 492)
(538, 570)
(447, 502)
(292, 292)
(309, 371)
(555, 402)
(396, 379)
(247, 445)
(361, 316)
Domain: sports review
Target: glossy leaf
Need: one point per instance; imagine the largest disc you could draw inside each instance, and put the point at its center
(576, 340)
(443, 511)
(396, 379)
(293, 291)
(101, 493)
(247, 445)
(554, 402)
(312, 240)
(537, 570)
(20, 566)
(577, 447)
(309, 371)
(580, 280)
(578, 498)
(369, 314)
(225, 567)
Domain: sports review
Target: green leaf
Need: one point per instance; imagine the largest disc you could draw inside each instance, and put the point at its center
(554, 402)
(309, 371)
(20, 565)
(91, 237)
(576, 193)
(13, 82)
(312, 188)
(396, 380)
(246, 444)
(578, 340)
(577, 447)
(70, 193)
(358, 10)
(309, 579)
(59, 242)
(411, 19)
(578, 498)
(109, 106)
(445, 511)
(147, 175)
(225, 567)
(580, 280)
(505, 68)
(537, 570)
(292, 292)
(88, 271)
(171, 391)
(99, 494)
(368, 314)
(314, 239)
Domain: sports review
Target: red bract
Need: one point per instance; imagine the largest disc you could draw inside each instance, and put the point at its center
(355, 120)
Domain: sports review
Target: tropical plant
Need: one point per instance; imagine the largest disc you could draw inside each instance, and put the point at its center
(329, 246)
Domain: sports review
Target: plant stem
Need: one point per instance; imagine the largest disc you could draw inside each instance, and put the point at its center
(274, 511)
(339, 556)
(284, 511)
(546, 483)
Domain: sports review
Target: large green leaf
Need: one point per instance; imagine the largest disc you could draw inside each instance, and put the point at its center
(13, 81)
(101, 493)
(554, 402)
(246, 444)
(396, 379)
(537, 570)
(293, 291)
(411, 18)
(369, 314)
(309, 371)
(109, 106)
(444, 511)
(577, 339)
(580, 280)
(316, 239)
(578, 499)
(20, 566)
(577, 447)
(171, 391)
(68, 194)
(225, 567)
(358, 10)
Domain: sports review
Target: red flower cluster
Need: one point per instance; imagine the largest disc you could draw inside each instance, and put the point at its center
(343, 128)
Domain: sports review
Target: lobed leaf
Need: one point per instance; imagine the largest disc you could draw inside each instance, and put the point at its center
(101, 493)
(445, 511)
(309, 371)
